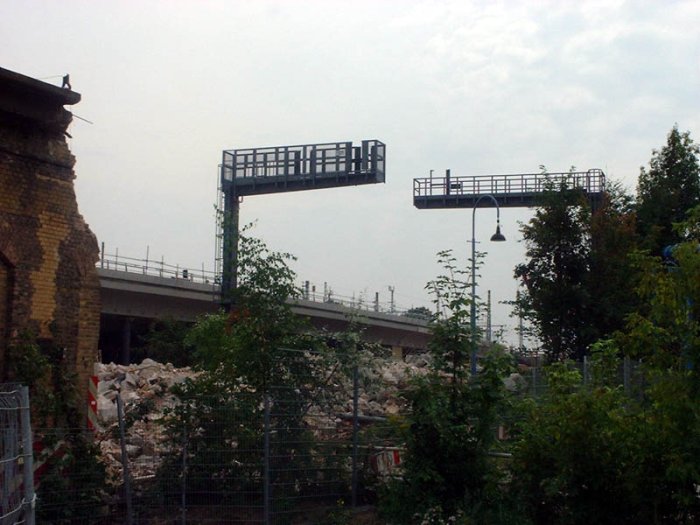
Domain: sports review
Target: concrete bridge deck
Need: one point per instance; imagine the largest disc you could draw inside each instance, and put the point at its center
(129, 299)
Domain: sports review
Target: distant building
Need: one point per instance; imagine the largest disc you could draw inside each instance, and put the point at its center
(48, 281)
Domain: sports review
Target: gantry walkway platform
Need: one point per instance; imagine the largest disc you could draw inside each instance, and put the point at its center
(515, 190)
(257, 171)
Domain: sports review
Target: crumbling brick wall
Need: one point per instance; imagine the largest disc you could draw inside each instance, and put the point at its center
(48, 281)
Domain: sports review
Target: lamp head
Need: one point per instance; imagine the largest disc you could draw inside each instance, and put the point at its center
(498, 236)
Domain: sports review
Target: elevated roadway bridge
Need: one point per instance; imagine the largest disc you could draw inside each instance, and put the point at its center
(131, 301)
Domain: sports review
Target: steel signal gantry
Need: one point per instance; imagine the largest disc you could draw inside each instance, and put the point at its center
(256, 171)
(519, 190)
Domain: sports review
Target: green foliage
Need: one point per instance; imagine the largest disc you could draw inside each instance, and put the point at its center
(591, 454)
(76, 474)
(665, 330)
(574, 448)
(611, 275)
(449, 432)
(667, 190)
(26, 362)
(165, 343)
(450, 427)
(450, 343)
(42, 366)
(259, 354)
(556, 298)
(578, 274)
(340, 515)
(74, 487)
(665, 333)
(436, 516)
(248, 344)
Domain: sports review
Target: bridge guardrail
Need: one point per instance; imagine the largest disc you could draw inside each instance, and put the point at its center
(156, 268)
(162, 269)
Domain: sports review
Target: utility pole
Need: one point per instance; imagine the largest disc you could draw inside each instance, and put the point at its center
(520, 321)
(488, 317)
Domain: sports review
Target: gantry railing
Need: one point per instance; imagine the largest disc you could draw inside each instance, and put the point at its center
(512, 190)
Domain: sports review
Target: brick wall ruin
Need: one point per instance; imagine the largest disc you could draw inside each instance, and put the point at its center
(48, 282)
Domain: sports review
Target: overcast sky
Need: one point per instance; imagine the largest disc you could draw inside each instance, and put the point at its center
(478, 87)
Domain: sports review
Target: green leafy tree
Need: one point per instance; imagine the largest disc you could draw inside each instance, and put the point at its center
(450, 344)
(665, 334)
(571, 456)
(611, 275)
(258, 355)
(589, 453)
(165, 343)
(579, 273)
(556, 299)
(449, 429)
(665, 329)
(667, 190)
(249, 343)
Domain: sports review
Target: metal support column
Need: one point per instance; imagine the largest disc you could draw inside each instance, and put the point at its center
(230, 267)
(125, 461)
(355, 431)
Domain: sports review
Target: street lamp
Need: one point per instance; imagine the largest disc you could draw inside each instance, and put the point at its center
(496, 237)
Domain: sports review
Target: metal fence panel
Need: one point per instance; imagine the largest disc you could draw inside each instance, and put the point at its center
(16, 459)
(294, 452)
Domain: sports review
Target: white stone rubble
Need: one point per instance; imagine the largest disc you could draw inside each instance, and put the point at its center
(148, 385)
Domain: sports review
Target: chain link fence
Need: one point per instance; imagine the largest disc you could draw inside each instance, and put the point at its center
(628, 374)
(16, 457)
(290, 454)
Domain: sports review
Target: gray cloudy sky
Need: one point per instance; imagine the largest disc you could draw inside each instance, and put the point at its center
(478, 87)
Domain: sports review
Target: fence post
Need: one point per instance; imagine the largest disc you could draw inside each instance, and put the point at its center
(534, 380)
(355, 431)
(266, 462)
(183, 487)
(28, 456)
(125, 460)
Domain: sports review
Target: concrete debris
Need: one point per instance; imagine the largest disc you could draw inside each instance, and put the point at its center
(515, 383)
(145, 389)
(144, 386)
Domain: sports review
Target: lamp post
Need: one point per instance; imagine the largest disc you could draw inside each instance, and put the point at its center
(496, 237)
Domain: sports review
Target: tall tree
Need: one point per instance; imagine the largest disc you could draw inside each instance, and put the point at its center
(579, 273)
(556, 300)
(611, 274)
(667, 190)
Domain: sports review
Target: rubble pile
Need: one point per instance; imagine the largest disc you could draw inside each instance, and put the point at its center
(379, 394)
(145, 391)
(144, 388)
(382, 396)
